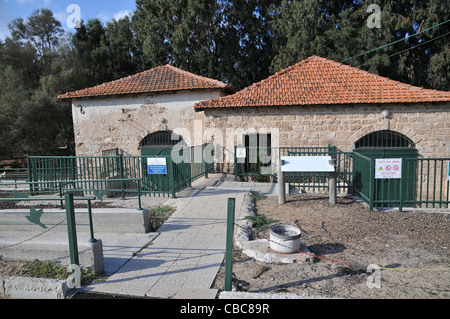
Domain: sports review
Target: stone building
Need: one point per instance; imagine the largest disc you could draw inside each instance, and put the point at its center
(316, 102)
(319, 102)
(141, 110)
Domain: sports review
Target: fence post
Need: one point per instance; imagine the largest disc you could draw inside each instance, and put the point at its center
(121, 175)
(332, 184)
(281, 187)
(235, 164)
(91, 223)
(30, 176)
(171, 176)
(72, 230)
(139, 194)
(371, 183)
(402, 178)
(229, 245)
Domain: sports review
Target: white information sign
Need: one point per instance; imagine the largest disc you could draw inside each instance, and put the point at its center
(307, 164)
(388, 168)
(241, 152)
(157, 166)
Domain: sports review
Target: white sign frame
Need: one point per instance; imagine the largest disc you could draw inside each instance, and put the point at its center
(157, 166)
(241, 152)
(312, 164)
(388, 168)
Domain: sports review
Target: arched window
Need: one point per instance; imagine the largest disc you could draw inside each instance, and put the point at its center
(161, 139)
(384, 139)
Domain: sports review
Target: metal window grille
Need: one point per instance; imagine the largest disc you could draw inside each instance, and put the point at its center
(384, 139)
(162, 138)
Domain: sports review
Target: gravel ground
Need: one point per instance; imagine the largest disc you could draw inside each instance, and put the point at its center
(412, 249)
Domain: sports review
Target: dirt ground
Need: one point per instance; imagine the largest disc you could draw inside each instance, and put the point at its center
(412, 249)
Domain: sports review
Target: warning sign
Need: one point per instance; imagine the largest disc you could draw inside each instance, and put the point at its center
(388, 168)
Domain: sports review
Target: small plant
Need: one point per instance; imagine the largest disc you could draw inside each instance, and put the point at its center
(46, 269)
(257, 197)
(158, 215)
(261, 222)
(54, 270)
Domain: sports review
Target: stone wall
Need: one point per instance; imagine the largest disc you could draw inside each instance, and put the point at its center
(122, 122)
(427, 125)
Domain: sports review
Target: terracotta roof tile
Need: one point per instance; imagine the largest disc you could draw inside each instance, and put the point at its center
(319, 81)
(164, 78)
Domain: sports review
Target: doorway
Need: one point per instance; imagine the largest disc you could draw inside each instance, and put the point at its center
(380, 145)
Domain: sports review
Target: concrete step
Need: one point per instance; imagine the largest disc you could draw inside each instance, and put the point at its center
(107, 220)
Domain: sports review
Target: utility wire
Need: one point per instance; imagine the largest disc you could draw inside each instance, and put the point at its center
(389, 44)
(443, 35)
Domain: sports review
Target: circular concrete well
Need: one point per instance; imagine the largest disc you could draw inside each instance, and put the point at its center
(285, 239)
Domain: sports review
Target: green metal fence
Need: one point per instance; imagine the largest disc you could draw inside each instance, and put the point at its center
(259, 164)
(35, 215)
(120, 173)
(429, 187)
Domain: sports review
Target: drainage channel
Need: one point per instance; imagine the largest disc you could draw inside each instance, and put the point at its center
(101, 295)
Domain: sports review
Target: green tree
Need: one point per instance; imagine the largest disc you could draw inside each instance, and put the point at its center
(33, 121)
(339, 30)
(300, 29)
(41, 30)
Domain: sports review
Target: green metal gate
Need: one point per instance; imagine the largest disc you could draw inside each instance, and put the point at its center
(184, 165)
(161, 183)
(385, 192)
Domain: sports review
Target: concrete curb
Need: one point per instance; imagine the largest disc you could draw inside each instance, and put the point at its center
(33, 288)
(263, 295)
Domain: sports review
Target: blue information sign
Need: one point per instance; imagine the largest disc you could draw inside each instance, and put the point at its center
(157, 166)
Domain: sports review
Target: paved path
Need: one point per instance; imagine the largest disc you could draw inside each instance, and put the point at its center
(182, 262)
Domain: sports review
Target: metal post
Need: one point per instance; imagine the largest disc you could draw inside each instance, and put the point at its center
(139, 194)
(372, 183)
(332, 184)
(229, 246)
(235, 163)
(72, 230)
(171, 175)
(91, 224)
(121, 175)
(281, 186)
(402, 178)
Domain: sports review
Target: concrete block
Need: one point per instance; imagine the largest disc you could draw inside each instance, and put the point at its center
(196, 293)
(97, 251)
(33, 288)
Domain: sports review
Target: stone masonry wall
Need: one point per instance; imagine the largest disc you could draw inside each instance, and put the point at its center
(427, 125)
(122, 122)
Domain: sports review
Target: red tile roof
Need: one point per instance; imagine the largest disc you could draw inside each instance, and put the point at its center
(319, 81)
(164, 78)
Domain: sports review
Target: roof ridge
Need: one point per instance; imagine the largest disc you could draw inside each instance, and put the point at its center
(259, 83)
(326, 83)
(196, 75)
(151, 80)
(384, 78)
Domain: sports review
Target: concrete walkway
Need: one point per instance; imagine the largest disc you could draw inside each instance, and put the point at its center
(183, 260)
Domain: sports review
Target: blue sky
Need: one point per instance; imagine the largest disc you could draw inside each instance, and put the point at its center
(105, 10)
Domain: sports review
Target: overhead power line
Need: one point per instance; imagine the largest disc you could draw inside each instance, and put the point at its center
(422, 43)
(389, 44)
